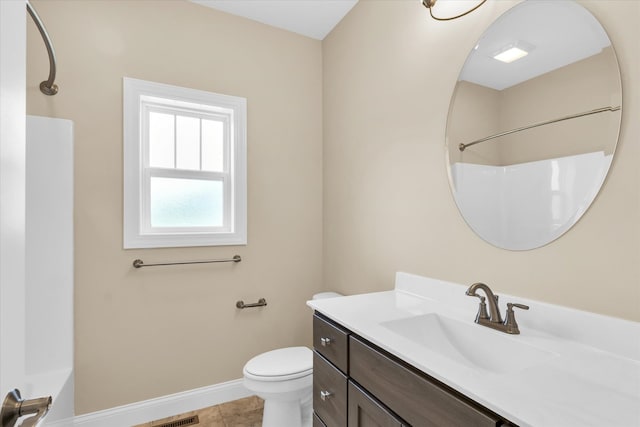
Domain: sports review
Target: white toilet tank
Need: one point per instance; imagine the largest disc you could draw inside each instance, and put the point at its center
(323, 295)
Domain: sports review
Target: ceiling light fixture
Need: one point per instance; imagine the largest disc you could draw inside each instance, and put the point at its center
(430, 4)
(513, 51)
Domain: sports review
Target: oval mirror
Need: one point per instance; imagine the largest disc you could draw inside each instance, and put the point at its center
(533, 123)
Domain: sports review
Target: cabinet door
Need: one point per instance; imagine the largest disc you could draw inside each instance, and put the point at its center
(365, 411)
(329, 392)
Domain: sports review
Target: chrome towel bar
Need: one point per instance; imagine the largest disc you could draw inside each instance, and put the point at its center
(138, 263)
(261, 303)
(462, 147)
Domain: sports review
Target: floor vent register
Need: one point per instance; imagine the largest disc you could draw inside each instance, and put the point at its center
(184, 422)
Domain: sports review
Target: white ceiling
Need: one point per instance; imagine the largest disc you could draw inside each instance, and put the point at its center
(311, 18)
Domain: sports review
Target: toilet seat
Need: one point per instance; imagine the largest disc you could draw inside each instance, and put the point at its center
(280, 365)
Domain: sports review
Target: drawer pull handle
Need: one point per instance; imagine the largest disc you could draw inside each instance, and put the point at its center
(324, 395)
(325, 341)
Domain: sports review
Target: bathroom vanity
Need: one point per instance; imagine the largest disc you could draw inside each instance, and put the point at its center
(375, 385)
(414, 357)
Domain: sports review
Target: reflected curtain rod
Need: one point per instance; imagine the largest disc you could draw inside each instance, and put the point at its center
(48, 87)
(462, 146)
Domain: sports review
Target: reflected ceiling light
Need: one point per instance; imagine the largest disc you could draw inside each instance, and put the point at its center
(513, 52)
(451, 9)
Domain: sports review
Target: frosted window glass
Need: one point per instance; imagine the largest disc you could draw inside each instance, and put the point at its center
(179, 202)
(187, 143)
(161, 147)
(212, 146)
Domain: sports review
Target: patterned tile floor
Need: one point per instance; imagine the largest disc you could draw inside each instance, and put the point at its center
(245, 412)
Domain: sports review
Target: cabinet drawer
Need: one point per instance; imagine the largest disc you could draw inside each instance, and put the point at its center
(366, 411)
(317, 422)
(331, 341)
(415, 398)
(329, 393)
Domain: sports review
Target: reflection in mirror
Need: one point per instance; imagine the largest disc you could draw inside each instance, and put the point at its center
(539, 62)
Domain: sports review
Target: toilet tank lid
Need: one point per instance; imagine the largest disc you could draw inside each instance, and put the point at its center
(281, 362)
(323, 295)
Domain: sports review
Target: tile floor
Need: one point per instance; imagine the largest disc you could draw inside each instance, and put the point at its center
(245, 412)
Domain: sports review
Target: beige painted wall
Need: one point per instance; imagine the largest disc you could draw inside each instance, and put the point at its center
(389, 72)
(146, 333)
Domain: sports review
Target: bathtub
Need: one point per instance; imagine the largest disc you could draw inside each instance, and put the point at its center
(49, 264)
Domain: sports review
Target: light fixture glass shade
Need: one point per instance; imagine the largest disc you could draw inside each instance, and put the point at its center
(446, 10)
(513, 51)
(511, 54)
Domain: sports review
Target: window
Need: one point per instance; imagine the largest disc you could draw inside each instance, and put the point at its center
(184, 167)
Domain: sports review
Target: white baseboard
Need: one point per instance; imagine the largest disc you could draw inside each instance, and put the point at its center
(161, 407)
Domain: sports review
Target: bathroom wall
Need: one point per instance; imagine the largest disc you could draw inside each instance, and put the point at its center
(389, 71)
(145, 333)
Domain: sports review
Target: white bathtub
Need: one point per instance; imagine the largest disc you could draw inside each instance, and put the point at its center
(49, 264)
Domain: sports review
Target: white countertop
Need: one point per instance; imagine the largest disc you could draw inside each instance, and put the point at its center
(591, 377)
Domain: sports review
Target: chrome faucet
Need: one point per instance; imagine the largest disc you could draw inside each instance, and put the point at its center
(493, 319)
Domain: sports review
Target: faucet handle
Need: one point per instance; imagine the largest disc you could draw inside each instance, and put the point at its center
(510, 321)
(482, 309)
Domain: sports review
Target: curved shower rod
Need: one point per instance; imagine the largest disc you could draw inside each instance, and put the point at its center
(47, 87)
(462, 146)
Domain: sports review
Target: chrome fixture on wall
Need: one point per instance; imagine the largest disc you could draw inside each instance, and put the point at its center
(15, 407)
(47, 87)
(138, 263)
(261, 303)
(430, 4)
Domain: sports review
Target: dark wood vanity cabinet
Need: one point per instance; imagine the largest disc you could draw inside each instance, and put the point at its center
(356, 384)
(329, 392)
(317, 422)
(330, 366)
(332, 342)
(366, 411)
(410, 393)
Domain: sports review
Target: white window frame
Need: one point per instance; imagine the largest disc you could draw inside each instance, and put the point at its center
(141, 97)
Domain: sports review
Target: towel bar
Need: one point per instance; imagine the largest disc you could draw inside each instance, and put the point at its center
(138, 263)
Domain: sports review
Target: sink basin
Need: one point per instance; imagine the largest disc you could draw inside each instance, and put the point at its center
(468, 343)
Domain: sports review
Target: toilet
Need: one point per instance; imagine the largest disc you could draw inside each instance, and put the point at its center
(284, 379)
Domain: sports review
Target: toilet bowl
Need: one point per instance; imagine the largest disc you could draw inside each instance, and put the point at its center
(284, 379)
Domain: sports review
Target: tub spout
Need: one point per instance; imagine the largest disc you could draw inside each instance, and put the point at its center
(15, 407)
